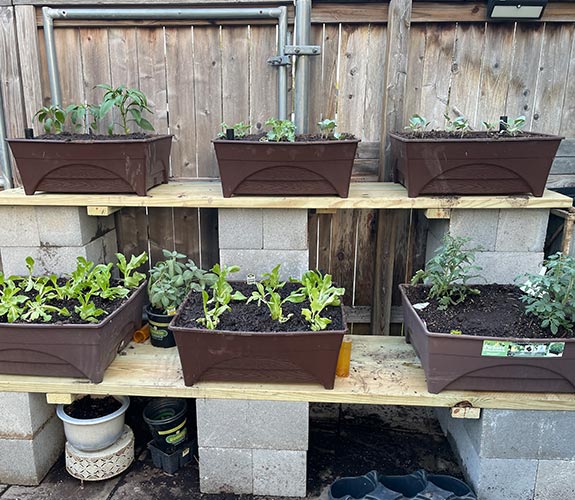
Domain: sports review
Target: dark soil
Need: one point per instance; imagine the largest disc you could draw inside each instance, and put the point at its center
(89, 407)
(74, 318)
(444, 134)
(298, 138)
(249, 317)
(496, 312)
(69, 137)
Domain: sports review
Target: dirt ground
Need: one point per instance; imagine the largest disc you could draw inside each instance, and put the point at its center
(344, 441)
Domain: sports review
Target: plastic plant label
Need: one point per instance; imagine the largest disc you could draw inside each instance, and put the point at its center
(523, 349)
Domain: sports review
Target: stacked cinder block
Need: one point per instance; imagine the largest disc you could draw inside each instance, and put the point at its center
(259, 239)
(509, 454)
(257, 447)
(53, 237)
(511, 240)
(31, 436)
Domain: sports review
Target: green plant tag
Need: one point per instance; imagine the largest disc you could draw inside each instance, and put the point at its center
(523, 349)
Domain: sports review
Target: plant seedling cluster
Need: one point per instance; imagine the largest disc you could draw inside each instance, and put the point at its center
(38, 298)
(449, 271)
(129, 103)
(418, 125)
(550, 296)
(316, 290)
(171, 280)
(282, 130)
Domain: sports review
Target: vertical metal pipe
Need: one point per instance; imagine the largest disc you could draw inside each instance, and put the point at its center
(302, 37)
(282, 70)
(51, 55)
(5, 163)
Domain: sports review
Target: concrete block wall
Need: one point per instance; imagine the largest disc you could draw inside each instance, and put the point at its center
(257, 447)
(31, 435)
(516, 454)
(511, 240)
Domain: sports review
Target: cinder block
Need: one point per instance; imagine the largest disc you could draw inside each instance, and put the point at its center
(293, 262)
(557, 439)
(278, 425)
(506, 479)
(22, 414)
(70, 226)
(222, 423)
(522, 230)
(479, 225)
(240, 228)
(279, 473)
(19, 227)
(438, 227)
(26, 461)
(226, 470)
(58, 260)
(285, 229)
(555, 480)
(504, 267)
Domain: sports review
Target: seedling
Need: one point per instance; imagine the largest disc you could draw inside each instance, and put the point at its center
(327, 128)
(551, 296)
(84, 117)
(240, 129)
(11, 302)
(513, 127)
(459, 125)
(490, 127)
(87, 309)
(449, 271)
(52, 118)
(130, 276)
(417, 125)
(282, 131)
(320, 293)
(222, 295)
(130, 103)
(267, 293)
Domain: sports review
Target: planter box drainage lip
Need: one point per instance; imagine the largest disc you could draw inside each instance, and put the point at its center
(283, 143)
(119, 140)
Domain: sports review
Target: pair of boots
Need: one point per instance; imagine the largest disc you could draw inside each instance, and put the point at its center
(416, 486)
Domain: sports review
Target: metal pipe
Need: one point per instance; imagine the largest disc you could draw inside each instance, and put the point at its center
(302, 38)
(279, 13)
(5, 163)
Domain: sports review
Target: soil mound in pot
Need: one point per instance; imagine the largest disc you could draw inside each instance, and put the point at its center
(89, 407)
(496, 312)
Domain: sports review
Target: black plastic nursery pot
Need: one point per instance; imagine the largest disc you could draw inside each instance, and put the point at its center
(172, 462)
(160, 333)
(166, 418)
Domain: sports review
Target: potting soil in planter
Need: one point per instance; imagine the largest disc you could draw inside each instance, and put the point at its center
(249, 346)
(487, 343)
(89, 407)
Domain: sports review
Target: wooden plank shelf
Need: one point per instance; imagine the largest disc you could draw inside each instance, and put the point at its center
(384, 370)
(208, 194)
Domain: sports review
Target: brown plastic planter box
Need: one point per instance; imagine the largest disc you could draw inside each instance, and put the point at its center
(264, 357)
(456, 361)
(285, 168)
(83, 351)
(509, 165)
(99, 166)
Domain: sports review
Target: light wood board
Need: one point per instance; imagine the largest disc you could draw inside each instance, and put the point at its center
(208, 194)
(384, 370)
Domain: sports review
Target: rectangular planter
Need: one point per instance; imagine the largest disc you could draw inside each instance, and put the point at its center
(83, 350)
(468, 166)
(458, 362)
(285, 168)
(98, 166)
(264, 357)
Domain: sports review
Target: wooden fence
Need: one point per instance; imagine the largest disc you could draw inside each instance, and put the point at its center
(197, 75)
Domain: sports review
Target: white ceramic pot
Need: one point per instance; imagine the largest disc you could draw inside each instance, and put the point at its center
(92, 434)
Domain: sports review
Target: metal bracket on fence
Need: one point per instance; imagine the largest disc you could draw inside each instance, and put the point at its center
(294, 50)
